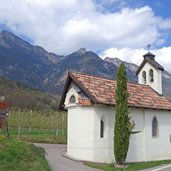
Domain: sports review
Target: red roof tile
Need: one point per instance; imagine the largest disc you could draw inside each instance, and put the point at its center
(101, 90)
(84, 102)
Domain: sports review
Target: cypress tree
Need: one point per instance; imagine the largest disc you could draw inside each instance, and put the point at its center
(123, 124)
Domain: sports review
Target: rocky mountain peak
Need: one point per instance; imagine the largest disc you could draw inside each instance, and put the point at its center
(8, 39)
(26, 50)
(5, 33)
(115, 61)
(79, 53)
(81, 50)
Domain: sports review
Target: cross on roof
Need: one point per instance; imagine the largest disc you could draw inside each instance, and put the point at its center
(149, 46)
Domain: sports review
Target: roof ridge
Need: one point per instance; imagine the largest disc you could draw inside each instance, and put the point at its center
(91, 75)
(81, 73)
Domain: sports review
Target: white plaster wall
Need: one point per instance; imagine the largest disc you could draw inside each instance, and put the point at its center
(159, 147)
(137, 142)
(84, 140)
(80, 141)
(157, 84)
(103, 147)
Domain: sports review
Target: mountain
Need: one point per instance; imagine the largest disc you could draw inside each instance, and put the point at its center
(34, 66)
(19, 95)
(117, 62)
(23, 62)
(82, 61)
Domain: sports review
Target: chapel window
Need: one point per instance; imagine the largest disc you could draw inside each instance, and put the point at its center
(155, 127)
(144, 77)
(151, 75)
(72, 99)
(101, 129)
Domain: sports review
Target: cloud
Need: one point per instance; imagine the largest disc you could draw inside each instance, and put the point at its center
(65, 26)
(163, 55)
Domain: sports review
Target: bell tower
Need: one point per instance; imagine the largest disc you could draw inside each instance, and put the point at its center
(150, 73)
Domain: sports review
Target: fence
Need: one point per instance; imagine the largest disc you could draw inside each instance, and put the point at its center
(36, 126)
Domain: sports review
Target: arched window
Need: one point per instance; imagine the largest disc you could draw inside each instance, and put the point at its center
(144, 77)
(72, 99)
(151, 75)
(101, 129)
(155, 127)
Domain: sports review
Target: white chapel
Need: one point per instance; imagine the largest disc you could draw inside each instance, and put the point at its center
(90, 103)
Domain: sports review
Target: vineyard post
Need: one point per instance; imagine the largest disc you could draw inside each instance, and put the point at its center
(9, 117)
(20, 124)
(57, 124)
(63, 124)
(56, 127)
(7, 130)
(30, 119)
(52, 119)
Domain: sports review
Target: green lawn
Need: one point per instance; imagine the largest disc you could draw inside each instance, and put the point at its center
(21, 156)
(131, 166)
(39, 136)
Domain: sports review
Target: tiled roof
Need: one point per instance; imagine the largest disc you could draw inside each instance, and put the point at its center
(102, 91)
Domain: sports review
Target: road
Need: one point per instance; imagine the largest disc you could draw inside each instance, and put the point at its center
(58, 162)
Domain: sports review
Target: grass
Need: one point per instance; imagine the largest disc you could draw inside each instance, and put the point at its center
(19, 155)
(38, 119)
(38, 135)
(131, 166)
(38, 126)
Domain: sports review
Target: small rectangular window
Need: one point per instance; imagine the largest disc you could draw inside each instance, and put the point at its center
(101, 129)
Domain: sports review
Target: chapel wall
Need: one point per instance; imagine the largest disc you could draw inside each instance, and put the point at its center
(80, 140)
(103, 147)
(158, 148)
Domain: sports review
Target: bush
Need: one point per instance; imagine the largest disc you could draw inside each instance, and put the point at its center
(18, 156)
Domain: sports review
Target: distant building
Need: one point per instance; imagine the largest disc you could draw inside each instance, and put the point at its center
(90, 103)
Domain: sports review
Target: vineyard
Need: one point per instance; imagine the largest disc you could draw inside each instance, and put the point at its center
(48, 126)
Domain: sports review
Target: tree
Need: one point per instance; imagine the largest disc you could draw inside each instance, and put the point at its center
(123, 123)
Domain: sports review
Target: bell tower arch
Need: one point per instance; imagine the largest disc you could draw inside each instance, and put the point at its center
(150, 72)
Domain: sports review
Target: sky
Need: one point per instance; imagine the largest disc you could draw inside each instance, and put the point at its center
(111, 28)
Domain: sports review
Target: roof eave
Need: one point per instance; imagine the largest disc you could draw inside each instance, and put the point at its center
(70, 77)
(61, 102)
(81, 86)
(136, 106)
(141, 66)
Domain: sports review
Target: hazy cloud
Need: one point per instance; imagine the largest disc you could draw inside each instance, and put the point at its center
(163, 55)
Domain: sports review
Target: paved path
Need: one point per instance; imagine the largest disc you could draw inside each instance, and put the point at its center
(59, 163)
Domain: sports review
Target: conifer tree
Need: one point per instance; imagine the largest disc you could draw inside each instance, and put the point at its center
(123, 124)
